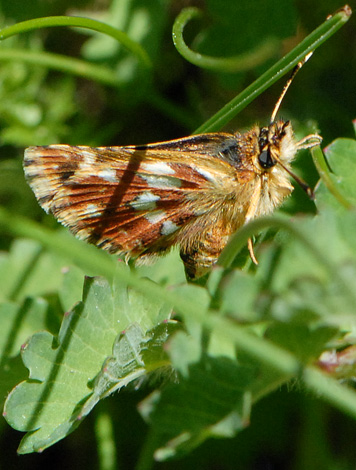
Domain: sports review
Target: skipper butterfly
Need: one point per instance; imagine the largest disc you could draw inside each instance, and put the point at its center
(193, 192)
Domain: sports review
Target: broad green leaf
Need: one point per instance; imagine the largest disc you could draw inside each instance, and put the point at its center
(318, 285)
(62, 369)
(326, 233)
(184, 350)
(12, 371)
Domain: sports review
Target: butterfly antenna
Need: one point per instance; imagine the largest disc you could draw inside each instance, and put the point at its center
(287, 85)
(297, 178)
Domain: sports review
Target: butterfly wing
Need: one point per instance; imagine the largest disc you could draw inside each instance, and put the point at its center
(137, 200)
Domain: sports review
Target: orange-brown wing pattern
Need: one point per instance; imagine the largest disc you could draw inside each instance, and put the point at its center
(133, 199)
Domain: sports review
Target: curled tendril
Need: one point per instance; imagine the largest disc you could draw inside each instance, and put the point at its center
(238, 63)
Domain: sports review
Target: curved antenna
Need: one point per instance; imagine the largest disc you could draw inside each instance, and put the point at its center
(287, 85)
(297, 178)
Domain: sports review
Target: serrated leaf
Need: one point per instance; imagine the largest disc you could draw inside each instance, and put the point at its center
(18, 322)
(62, 369)
(135, 355)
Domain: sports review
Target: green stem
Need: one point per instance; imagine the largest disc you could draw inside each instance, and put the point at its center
(237, 63)
(309, 44)
(104, 431)
(53, 21)
(327, 177)
(62, 63)
(146, 456)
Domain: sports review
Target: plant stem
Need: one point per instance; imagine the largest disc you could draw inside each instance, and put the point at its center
(53, 21)
(106, 443)
(63, 63)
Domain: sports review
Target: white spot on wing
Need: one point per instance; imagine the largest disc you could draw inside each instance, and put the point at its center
(89, 156)
(168, 227)
(161, 182)
(158, 168)
(92, 210)
(88, 160)
(207, 175)
(145, 201)
(155, 217)
(37, 170)
(108, 175)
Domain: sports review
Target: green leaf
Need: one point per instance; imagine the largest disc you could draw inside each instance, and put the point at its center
(316, 286)
(62, 369)
(72, 287)
(184, 350)
(240, 295)
(27, 270)
(212, 401)
(305, 342)
(12, 371)
(18, 322)
(341, 158)
(135, 354)
(167, 270)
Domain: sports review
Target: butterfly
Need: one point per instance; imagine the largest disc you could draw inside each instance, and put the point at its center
(195, 192)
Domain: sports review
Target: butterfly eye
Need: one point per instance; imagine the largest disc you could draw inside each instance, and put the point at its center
(265, 159)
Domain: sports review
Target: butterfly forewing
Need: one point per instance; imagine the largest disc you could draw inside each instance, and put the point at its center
(136, 200)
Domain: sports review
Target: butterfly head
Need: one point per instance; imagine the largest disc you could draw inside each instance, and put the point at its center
(276, 144)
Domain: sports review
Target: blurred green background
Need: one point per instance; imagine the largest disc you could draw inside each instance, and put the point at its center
(39, 106)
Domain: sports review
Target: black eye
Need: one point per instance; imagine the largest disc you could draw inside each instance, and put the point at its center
(265, 159)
